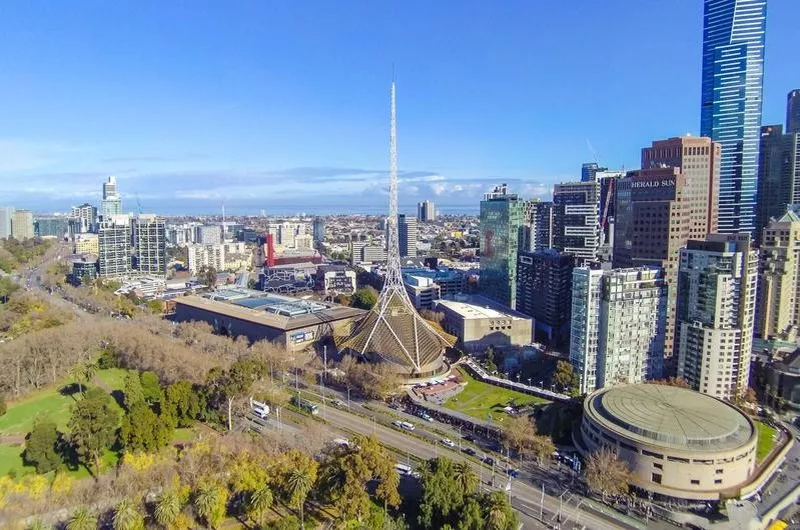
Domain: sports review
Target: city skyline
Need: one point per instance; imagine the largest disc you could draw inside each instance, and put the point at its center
(184, 141)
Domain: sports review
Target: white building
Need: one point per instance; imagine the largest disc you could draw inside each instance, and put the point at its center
(150, 241)
(206, 255)
(618, 325)
(114, 241)
(717, 282)
(207, 235)
(6, 220)
(422, 291)
(111, 204)
(304, 242)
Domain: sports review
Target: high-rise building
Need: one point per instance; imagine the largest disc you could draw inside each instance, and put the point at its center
(778, 174)
(22, 225)
(607, 180)
(114, 239)
(576, 227)
(50, 226)
(206, 256)
(87, 244)
(207, 235)
(544, 291)
(662, 206)
(589, 171)
(501, 221)
(407, 234)
(793, 111)
(112, 201)
(83, 218)
(6, 221)
(715, 313)
(618, 321)
(733, 72)
(537, 227)
(150, 242)
(778, 294)
(425, 212)
(318, 229)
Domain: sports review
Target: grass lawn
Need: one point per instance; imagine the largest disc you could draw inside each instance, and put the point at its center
(183, 434)
(114, 378)
(11, 459)
(479, 399)
(766, 440)
(48, 402)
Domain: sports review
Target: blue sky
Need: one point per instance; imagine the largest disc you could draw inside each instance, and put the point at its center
(283, 105)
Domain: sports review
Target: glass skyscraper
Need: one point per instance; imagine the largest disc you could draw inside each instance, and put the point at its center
(501, 219)
(733, 71)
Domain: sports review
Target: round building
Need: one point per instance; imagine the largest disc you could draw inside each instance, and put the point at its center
(677, 442)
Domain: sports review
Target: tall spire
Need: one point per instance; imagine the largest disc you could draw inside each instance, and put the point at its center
(393, 275)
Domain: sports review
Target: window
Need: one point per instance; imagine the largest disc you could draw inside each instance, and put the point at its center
(656, 477)
(657, 465)
(695, 482)
(718, 481)
(718, 472)
(653, 455)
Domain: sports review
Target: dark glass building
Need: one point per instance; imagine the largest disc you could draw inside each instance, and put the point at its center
(544, 292)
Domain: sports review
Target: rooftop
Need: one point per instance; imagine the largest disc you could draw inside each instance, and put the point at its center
(670, 416)
(474, 307)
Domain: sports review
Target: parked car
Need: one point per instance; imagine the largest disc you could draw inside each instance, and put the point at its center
(448, 442)
(488, 461)
(512, 472)
(403, 425)
(468, 450)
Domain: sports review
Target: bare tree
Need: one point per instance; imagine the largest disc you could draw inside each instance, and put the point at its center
(607, 474)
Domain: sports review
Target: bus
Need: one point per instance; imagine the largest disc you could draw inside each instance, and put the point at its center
(305, 405)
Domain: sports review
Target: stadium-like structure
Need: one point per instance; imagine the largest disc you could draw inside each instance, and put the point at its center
(393, 332)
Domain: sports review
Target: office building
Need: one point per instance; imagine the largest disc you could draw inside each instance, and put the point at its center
(111, 204)
(363, 252)
(793, 111)
(733, 69)
(84, 269)
(6, 221)
(576, 227)
(607, 181)
(55, 226)
(335, 279)
(114, 239)
(304, 242)
(537, 225)
(22, 225)
(783, 378)
(778, 294)
(715, 313)
(84, 218)
(450, 282)
(207, 235)
(589, 171)
(425, 212)
(479, 322)
(618, 323)
(407, 234)
(422, 291)
(87, 244)
(544, 291)
(150, 242)
(500, 221)
(318, 229)
(671, 200)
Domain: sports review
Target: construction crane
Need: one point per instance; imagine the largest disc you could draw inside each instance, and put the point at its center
(139, 204)
(604, 218)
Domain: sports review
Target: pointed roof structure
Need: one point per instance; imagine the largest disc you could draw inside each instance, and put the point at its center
(393, 332)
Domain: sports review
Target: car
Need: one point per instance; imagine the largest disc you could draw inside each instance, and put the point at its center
(425, 416)
(448, 442)
(512, 472)
(469, 451)
(488, 461)
(403, 425)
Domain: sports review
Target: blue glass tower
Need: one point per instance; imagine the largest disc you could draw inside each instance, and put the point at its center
(733, 73)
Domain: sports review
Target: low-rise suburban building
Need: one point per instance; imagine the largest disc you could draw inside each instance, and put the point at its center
(479, 322)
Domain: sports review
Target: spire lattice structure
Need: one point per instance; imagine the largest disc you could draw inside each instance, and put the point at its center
(393, 332)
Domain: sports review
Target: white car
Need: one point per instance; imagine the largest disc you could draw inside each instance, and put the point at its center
(403, 425)
(448, 442)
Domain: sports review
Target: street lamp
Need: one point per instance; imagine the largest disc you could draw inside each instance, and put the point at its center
(529, 381)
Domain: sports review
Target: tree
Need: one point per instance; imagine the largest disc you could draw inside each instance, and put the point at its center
(299, 485)
(144, 430)
(364, 298)
(93, 426)
(443, 495)
(127, 516)
(606, 474)
(542, 447)
(210, 501)
(132, 389)
(228, 385)
(183, 402)
(207, 276)
(82, 519)
(40, 447)
(565, 377)
(151, 388)
(259, 503)
(3, 404)
(294, 474)
(168, 508)
(671, 381)
(38, 524)
(498, 514)
(518, 433)
(82, 374)
(465, 476)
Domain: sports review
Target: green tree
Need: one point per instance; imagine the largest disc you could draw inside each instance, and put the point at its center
(498, 514)
(127, 516)
(210, 501)
(82, 374)
(40, 447)
(259, 503)
(228, 385)
(38, 524)
(299, 484)
(471, 515)
(565, 377)
(144, 430)
(442, 494)
(93, 426)
(364, 298)
(132, 389)
(7, 288)
(151, 388)
(183, 402)
(207, 276)
(168, 508)
(465, 476)
(82, 519)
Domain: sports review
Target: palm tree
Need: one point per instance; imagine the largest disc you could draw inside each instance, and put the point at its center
(258, 504)
(168, 508)
(495, 513)
(209, 502)
(465, 477)
(299, 484)
(88, 371)
(127, 516)
(82, 519)
(38, 524)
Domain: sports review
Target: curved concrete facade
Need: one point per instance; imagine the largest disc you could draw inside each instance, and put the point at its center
(677, 442)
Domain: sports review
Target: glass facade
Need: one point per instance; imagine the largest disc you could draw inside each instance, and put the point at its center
(733, 69)
(501, 220)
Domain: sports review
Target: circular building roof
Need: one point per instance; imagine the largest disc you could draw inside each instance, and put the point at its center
(670, 416)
